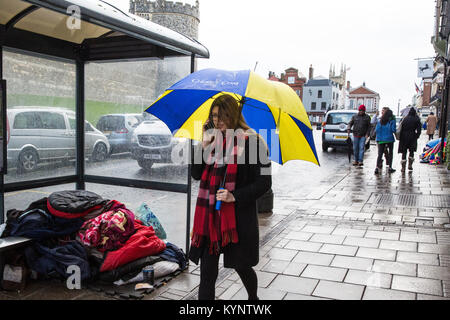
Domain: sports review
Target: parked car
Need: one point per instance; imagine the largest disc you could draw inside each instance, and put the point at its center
(334, 132)
(119, 128)
(39, 134)
(153, 142)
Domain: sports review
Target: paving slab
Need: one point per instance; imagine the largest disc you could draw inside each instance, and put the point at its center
(419, 258)
(338, 290)
(294, 284)
(434, 248)
(418, 285)
(415, 237)
(295, 296)
(362, 242)
(372, 279)
(400, 268)
(294, 269)
(349, 232)
(352, 263)
(275, 266)
(387, 294)
(324, 273)
(382, 235)
(318, 229)
(328, 238)
(281, 254)
(299, 235)
(433, 272)
(373, 253)
(398, 245)
(339, 249)
(313, 258)
(303, 245)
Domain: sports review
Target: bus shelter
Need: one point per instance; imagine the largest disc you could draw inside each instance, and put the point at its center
(72, 70)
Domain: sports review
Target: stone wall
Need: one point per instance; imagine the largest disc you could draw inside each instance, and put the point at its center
(178, 16)
(139, 82)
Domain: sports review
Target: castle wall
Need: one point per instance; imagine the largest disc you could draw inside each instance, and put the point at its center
(178, 16)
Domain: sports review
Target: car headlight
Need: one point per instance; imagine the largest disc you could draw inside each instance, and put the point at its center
(134, 138)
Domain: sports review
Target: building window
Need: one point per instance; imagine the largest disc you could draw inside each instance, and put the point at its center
(313, 106)
(319, 94)
(337, 96)
(291, 80)
(352, 102)
(323, 106)
(334, 95)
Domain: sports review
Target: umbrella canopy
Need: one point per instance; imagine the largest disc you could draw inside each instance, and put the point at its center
(271, 108)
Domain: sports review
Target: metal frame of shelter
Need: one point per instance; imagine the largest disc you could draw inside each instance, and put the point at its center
(107, 34)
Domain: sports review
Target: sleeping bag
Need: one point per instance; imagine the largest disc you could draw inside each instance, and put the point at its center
(142, 243)
(72, 204)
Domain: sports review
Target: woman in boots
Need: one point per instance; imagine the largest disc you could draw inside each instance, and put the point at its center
(232, 231)
(410, 132)
(385, 130)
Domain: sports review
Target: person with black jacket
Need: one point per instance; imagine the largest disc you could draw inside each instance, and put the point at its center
(409, 133)
(361, 127)
(233, 230)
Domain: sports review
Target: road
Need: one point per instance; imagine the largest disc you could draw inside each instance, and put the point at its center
(294, 180)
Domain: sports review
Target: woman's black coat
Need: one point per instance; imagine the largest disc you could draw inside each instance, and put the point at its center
(410, 132)
(250, 185)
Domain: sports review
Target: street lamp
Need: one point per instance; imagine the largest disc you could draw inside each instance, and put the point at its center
(398, 107)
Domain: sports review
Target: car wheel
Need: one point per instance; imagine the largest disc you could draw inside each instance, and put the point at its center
(324, 147)
(28, 160)
(100, 152)
(145, 164)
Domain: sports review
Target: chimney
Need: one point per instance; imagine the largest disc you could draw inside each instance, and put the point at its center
(364, 84)
(311, 72)
(348, 85)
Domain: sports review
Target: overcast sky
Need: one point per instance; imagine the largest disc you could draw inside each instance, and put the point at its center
(378, 40)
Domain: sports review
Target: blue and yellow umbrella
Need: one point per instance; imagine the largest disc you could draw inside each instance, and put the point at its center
(271, 108)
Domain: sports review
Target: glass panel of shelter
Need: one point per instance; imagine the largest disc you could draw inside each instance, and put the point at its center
(40, 100)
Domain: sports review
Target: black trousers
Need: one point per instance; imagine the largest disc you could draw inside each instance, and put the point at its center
(388, 149)
(411, 153)
(430, 136)
(209, 270)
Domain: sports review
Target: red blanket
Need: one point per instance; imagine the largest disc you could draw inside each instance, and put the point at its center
(142, 243)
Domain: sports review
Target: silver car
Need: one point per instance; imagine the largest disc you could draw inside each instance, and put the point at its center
(334, 128)
(40, 134)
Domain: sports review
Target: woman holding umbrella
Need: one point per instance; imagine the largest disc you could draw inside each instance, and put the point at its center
(233, 229)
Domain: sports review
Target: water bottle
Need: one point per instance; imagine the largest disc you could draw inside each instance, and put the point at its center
(219, 202)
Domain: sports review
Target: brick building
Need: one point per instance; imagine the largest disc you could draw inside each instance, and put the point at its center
(293, 78)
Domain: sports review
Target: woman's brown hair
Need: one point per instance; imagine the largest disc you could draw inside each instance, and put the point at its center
(230, 111)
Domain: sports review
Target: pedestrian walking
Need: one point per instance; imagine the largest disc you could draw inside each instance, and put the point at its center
(431, 125)
(385, 130)
(360, 123)
(409, 133)
(232, 230)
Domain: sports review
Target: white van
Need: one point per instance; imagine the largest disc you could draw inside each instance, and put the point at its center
(40, 134)
(334, 128)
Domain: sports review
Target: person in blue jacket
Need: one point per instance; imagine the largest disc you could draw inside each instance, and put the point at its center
(385, 130)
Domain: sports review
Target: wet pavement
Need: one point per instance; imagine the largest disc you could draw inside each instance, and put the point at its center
(347, 235)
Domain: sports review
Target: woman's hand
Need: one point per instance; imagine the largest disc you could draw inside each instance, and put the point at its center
(225, 196)
(207, 136)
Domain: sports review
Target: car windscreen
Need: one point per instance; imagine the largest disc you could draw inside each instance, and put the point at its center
(337, 118)
(111, 123)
